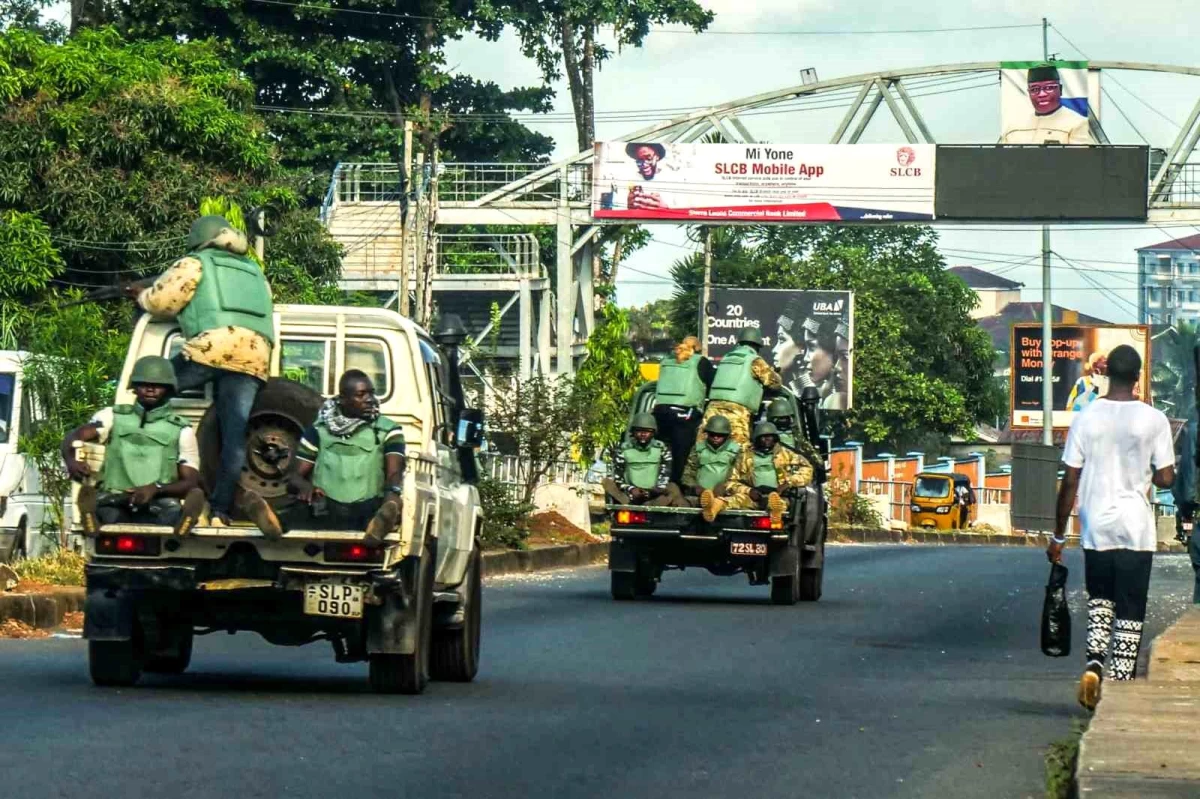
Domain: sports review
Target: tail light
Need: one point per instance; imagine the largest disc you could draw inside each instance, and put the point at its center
(765, 523)
(632, 517)
(353, 553)
(145, 545)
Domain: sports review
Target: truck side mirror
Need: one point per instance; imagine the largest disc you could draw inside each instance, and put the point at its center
(470, 428)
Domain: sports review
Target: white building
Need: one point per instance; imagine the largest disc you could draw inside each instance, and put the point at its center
(1169, 281)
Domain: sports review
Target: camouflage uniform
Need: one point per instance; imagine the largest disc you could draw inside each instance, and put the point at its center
(739, 415)
(792, 471)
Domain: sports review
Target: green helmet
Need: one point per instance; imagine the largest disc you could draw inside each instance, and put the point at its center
(750, 335)
(205, 229)
(719, 425)
(779, 409)
(765, 429)
(154, 370)
(644, 421)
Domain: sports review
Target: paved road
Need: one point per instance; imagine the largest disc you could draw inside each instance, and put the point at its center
(918, 675)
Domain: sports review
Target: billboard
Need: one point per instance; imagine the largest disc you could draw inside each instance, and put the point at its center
(1024, 184)
(763, 183)
(1047, 102)
(1079, 353)
(808, 336)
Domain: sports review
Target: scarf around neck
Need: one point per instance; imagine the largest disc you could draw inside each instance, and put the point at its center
(341, 425)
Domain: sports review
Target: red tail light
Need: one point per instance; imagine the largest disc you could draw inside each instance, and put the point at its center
(353, 553)
(632, 517)
(764, 523)
(128, 545)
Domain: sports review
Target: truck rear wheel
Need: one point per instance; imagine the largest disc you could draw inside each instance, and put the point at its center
(623, 585)
(785, 588)
(810, 584)
(645, 584)
(409, 674)
(455, 655)
(178, 661)
(115, 663)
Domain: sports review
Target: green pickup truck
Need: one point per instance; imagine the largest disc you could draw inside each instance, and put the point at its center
(648, 541)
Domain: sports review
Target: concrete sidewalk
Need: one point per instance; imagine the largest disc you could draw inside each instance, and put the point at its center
(1144, 740)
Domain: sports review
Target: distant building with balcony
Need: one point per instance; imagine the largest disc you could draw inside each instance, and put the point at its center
(994, 292)
(1169, 281)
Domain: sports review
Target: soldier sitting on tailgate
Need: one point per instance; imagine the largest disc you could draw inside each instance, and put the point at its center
(350, 474)
(641, 468)
(151, 458)
(710, 468)
(768, 472)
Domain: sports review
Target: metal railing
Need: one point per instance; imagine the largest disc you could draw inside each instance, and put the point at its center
(513, 470)
(520, 185)
(900, 496)
(1184, 188)
(487, 254)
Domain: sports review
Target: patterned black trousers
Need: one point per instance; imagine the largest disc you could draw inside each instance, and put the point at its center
(1118, 581)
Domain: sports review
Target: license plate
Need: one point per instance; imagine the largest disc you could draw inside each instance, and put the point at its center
(333, 599)
(748, 549)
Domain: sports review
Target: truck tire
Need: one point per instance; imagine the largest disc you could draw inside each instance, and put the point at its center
(455, 655)
(282, 409)
(624, 585)
(176, 663)
(115, 663)
(810, 584)
(785, 588)
(409, 674)
(644, 584)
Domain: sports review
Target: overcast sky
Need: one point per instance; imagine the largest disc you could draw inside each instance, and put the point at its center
(681, 70)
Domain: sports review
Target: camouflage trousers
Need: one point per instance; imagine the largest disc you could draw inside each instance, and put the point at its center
(738, 416)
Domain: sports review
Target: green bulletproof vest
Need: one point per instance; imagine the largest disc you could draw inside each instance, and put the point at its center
(232, 291)
(715, 465)
(734, 380)
(787, 438)
(764, 469)
(679, 383)
(350, 469)
(641, 464)
(143, 447)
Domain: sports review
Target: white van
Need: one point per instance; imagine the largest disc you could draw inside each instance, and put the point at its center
(23, 507)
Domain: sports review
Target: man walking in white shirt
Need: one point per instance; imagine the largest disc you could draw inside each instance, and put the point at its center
(1115, 449)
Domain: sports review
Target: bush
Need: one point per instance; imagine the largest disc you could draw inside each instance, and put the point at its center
(61, 567)
(506, 517)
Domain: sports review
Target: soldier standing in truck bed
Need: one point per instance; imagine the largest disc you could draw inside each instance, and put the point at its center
(738, 385)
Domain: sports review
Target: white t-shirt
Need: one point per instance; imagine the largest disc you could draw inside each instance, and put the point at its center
(1119, 445)
(189, 450)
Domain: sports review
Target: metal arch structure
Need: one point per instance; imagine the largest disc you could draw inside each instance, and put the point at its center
(559, 194)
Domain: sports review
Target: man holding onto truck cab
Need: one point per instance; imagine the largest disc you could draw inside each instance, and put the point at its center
(683, 380)
(641, 468)
(223, 304)
(766, 472)
(150, 461)
(738, 385)
(710, 468)
(351, 467)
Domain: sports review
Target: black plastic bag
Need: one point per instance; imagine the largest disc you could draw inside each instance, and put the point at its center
(1056, 616)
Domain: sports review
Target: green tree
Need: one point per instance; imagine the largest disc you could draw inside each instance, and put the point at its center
(1173, 383)
(606, 382)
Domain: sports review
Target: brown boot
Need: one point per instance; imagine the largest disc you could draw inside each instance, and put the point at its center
(262, 514)
(775, 507)
(713, 507)
(86, 503)
(383, 522)
(193, 506)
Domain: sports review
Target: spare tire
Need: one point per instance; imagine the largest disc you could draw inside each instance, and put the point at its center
(281, 411)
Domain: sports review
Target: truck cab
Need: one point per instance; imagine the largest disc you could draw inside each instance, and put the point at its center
(23, 506)
(411, 608)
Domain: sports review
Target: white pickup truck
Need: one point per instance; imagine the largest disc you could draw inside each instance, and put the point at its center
(411, 608)
(23, 506)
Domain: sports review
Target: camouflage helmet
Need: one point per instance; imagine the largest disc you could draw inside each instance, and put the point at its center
(205, 229)
(779, 409)
(765, 429)
(644, 421)
(155, 371)
(750, 335)
(718, 425)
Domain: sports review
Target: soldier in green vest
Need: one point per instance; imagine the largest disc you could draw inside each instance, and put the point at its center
(641, 468)
(151, 460)
(779, 413)
(737, 387)
(768, 472)
(222, 302)
(706, 480)
(679, 394)
(350, 473)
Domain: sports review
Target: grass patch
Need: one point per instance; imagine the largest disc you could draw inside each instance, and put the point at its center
(1060, 763)
(62, 567)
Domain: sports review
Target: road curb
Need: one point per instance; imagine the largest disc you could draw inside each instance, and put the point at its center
(42, 610)
(857, 535)
(522, 561)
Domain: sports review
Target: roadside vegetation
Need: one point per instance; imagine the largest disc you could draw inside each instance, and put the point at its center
(1061, 758)
(61, 567)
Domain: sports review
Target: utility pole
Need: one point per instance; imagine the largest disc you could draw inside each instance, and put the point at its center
(405, 215)
(1047, 306)
(707, 290)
